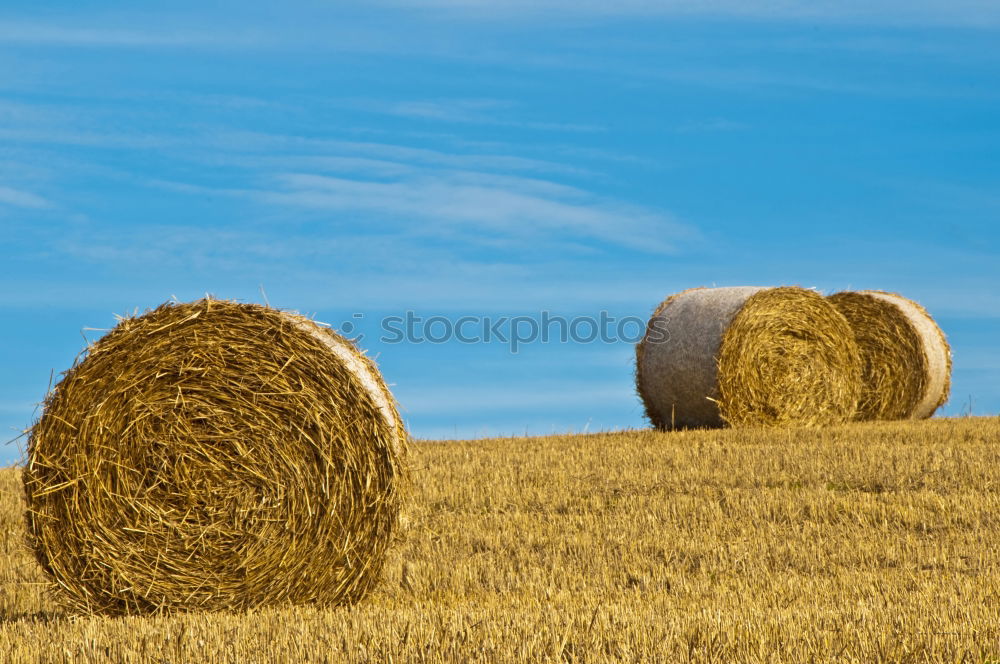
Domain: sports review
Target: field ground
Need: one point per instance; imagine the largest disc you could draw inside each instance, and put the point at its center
(862, 543)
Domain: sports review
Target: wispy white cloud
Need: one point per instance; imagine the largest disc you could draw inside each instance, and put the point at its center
(754, 78)
(943, 47)
(359, 276)
(892, 12)
(711, 125)
(353, 166)
(375, 161)
(22, 168)
(462, 197)
(242, 142)
(22, 199)
(470, 204)
(26, 114)
(454, 110)
(255, 149)
(95, 139)
(472, 208)
(16, 32)
(494, 112)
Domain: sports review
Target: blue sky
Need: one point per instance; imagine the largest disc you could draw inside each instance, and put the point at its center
(457, 157)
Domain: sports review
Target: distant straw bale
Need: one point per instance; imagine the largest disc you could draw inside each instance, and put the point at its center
(747, 356)
(219, 456)
(905, 355)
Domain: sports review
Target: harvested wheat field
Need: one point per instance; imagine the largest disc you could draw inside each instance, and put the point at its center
(868, 542)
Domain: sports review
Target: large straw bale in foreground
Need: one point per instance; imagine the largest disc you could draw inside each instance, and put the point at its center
(215, 455)
(747, 356)
(905, 357)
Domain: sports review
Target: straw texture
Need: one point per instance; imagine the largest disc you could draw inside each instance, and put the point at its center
(215, 455)
(906, 357)
(747, 356)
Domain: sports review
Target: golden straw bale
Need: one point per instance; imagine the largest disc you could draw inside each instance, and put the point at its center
(906, 358)
(219, 456)
(747, 356)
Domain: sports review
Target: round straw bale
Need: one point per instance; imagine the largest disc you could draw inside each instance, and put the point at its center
(906, 360)
(747, 356)
(217, 456)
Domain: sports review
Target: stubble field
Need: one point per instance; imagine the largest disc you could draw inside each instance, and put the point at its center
(861, 543)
